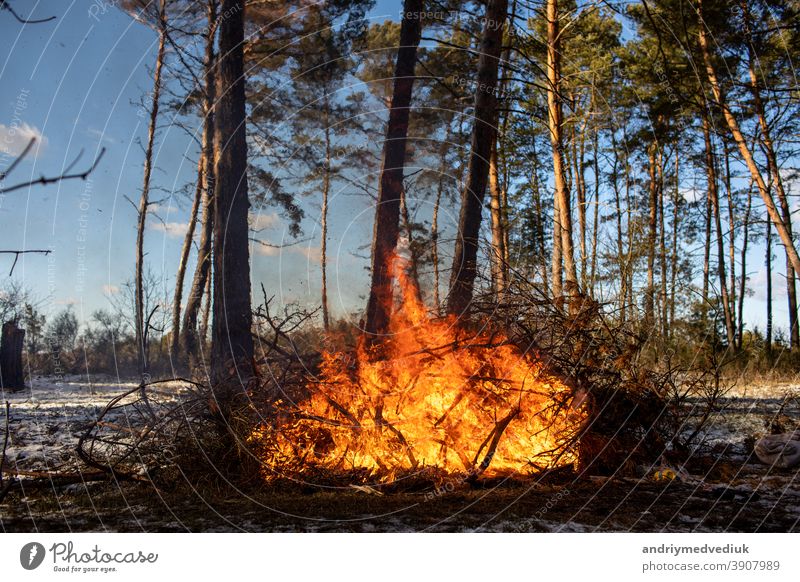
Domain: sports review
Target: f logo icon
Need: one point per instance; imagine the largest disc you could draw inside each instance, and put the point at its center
(31, 555)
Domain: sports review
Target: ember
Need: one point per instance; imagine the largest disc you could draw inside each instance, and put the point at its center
(438, 396)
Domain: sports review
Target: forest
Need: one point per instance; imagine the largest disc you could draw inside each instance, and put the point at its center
(546, 249)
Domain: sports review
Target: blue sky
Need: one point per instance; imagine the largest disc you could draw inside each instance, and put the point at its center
(76, 83)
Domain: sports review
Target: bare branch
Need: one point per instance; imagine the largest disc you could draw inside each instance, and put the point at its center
(4, 5)
(20, 157)
(44, 180)
(18, 253)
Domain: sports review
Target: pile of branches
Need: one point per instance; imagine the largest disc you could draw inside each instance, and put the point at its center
(294, 443)
(640, 414)
(149, 433)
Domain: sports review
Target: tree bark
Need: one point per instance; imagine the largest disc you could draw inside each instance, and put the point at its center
(201, 278)
(743, 259)
(731, 235)
(623, 278)
(174, 340)
(713, 193)
(323, 246)
(652, 231)
(12, 371)
(232, 365)
(484, 136)
(498, 237)
(555, 121)
(706, 259)
(676, 215)
(435, 218)
(144, 200)
(387, 212)
(595, 211)
(662, 244)
(768, 338)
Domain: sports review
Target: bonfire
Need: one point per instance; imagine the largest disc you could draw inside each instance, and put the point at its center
(435, 397)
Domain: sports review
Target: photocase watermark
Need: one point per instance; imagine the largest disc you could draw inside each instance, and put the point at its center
(464, 83)
(66, 558)
(450, 485)
(6, 149)
(99, 8)
(58, 367)
(31, 555)
(446, 15)
(553, 501)
(220, 18)
(81, 237)
(436, 15)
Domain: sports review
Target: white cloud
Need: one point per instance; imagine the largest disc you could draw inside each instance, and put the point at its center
(14, 138)
(110, 289)
(313, 254)
(171, 229)
(267, 251)
(693, 194)
(262, 221)
(155, 208)
(758, 282)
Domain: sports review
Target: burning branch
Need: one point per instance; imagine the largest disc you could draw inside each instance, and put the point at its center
(424, 404)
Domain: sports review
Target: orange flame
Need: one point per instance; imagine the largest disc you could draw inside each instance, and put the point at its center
(438, 397)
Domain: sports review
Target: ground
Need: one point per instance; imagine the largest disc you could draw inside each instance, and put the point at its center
(729, 491)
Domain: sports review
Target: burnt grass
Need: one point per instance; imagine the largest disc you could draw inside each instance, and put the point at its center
(748, 498)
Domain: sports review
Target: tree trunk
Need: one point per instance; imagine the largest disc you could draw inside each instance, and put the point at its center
(232, 365)
(662, 244)
(540, 221)
(706, 259)
(498, 238)
(174, 340)
(413, 258)
(623, 279)
(387, 212)
(507, 59)
(733, 125)
(596, 211)
(556, 259)
(435, 218)
(652, 231)
(743, 259)
(732, 234)
(206, 311)
(768, 338)
(563, 218)
(144, 201)
(674, 253)
(578, 159)
(12, 372)
(323, 246)
(201, 279)
(777, 182)
(484, 135)
(713, 193)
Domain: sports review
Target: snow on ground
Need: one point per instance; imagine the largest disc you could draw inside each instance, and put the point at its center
(747, 413)
(46, 420)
